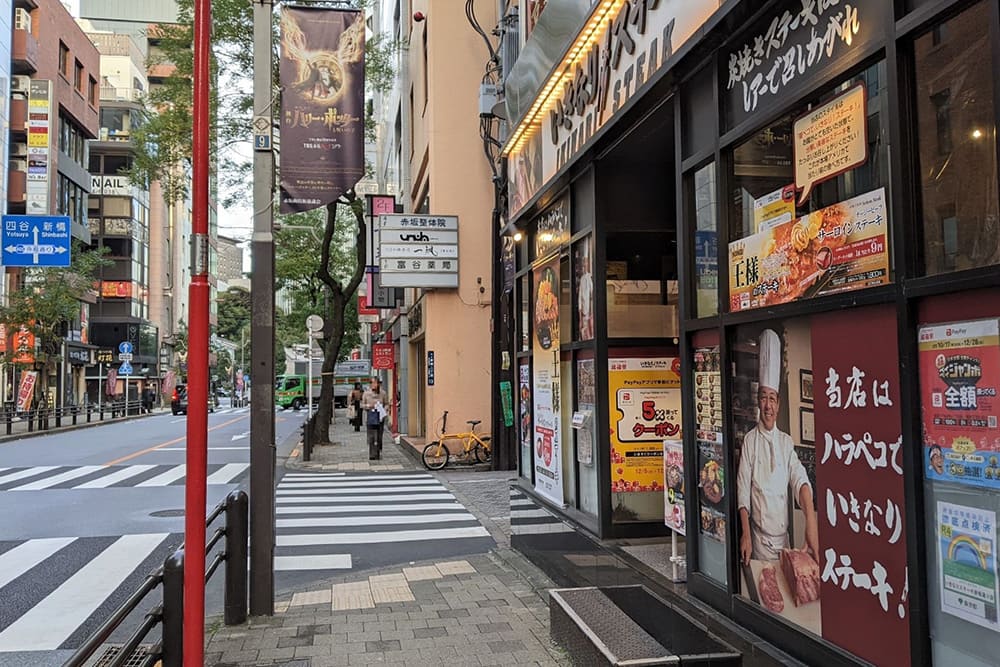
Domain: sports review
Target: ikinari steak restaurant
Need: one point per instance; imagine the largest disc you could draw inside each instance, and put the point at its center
(753, 316)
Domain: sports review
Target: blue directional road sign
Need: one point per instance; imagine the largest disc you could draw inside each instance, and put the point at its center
(125, 369)
(125, 347)
(35, 240)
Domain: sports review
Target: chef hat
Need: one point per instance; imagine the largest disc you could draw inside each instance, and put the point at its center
(770, 359)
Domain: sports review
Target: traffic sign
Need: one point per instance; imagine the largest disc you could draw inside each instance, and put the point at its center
(35, 240)
(125, 368)
(124, 357)
(125, 347)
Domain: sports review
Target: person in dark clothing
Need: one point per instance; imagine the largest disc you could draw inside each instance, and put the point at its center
(354, 402)
(374, 402)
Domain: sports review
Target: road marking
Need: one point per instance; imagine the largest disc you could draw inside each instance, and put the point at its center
(245, 434)
(318, 562)
(382, 537)
(37, 485)
(167, 477)
(226, 473)
(331, 521)
(351, 484)
(177, 421)
(297, 476)
(283, 491)
(211, 449)
(50, 622)
(115, 477)
(355, 508)
(129, 457)
(348, 499)
(30, 472)
(25, 556)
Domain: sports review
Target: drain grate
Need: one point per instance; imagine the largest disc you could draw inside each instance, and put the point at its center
(161, 514)
(137, 658)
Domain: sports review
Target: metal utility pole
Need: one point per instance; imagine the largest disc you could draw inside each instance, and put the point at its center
(262, 449)
(198, 296)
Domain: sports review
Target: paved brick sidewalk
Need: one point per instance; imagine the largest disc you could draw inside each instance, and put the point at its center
(349, 451)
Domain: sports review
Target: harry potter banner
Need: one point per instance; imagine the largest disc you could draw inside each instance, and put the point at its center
(322, 105)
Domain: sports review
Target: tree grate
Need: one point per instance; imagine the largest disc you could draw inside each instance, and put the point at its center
(137, 659)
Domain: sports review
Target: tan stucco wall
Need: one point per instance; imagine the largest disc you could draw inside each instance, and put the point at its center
(449, 164)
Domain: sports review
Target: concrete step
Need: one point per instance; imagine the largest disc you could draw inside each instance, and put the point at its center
(631, 627)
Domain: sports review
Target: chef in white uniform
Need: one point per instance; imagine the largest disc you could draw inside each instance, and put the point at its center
(769, 470)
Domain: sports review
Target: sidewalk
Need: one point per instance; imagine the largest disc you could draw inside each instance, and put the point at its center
(483, 609)
(19, 426)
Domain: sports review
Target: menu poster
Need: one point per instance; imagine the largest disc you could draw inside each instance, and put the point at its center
(674, 515)
(830, 139)
(645, 400)
(546, 409)
(712, 490)
(967, 563)
(708, 394)
(959, 381)
(774, 208)
(859, 485)
(839, 248)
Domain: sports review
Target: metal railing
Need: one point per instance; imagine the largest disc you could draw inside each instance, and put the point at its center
(46, 418)
(170, 612)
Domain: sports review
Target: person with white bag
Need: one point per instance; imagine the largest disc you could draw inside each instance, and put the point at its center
(374, 402)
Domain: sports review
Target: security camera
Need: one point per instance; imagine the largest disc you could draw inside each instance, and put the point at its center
(418, 16)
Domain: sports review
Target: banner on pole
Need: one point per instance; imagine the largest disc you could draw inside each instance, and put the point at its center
(321, 69)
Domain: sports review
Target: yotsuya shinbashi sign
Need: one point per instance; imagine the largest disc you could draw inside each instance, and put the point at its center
(621, 46)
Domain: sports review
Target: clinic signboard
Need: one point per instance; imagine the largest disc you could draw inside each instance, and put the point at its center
(418, 251)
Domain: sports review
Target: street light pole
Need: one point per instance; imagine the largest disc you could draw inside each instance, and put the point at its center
(262, 449)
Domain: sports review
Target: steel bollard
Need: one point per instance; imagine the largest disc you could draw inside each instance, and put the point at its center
(237, 534)
(307, 440)
(173, 610)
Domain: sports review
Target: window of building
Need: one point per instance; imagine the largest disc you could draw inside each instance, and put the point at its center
(92, 91)
(426, 74)
(702, 200)
(78, 75)
(63, 59)
(956, 127)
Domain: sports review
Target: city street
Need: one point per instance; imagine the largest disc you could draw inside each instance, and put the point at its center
(88, 513)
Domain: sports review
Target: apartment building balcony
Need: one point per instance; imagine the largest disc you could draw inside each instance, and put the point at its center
(18, 115)
(17, 185)
(24, 53)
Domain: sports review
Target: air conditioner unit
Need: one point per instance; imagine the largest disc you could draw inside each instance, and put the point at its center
(19, 165)
(22, 19)
(20, 84)
(19, 149)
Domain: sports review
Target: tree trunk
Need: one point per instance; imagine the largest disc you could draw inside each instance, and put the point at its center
(339, 296)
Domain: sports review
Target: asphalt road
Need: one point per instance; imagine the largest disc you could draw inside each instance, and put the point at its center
(88, 513)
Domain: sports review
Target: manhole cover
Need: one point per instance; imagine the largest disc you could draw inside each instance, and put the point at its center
(161, 514)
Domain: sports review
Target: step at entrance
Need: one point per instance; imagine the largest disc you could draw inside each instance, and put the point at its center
(628, 626)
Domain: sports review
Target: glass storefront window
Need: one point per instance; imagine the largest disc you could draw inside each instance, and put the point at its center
(586, 435)
(565, 301)
(524, 292)
(583, 281)
(711, 519)
(706, 241)
(956, 125)
(641, 284)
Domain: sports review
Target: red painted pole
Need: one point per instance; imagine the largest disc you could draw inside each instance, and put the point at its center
(197, 415)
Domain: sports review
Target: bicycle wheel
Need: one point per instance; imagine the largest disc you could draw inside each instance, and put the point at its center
(483, 454)
(435, 456)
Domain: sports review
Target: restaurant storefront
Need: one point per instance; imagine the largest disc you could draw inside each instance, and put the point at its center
(757, 303)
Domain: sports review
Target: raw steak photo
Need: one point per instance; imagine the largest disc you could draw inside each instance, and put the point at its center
(802, 574)
(767, 587)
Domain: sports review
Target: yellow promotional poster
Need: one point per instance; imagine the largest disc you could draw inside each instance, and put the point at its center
(774, 208)
(645, 400)
(839, 248)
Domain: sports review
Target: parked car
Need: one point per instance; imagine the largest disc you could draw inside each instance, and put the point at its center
(179, 400)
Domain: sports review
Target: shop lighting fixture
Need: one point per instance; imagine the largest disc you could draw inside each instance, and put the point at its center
(977, 133)
(578, 52)
(518, 236)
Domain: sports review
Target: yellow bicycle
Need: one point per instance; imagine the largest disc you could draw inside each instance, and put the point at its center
(436, 454)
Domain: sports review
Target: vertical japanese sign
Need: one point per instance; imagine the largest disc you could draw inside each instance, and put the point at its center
(959, 381)
(545, 354)
(524, 412)
(968, 563)
(322, 73)
(39, 141)
(859, 484)
(383, 356)
(644, 396)
(674, 515)
(26, 390)
(507, 401)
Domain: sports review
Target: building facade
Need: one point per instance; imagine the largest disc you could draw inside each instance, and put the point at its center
(429, 150)
(756, 304)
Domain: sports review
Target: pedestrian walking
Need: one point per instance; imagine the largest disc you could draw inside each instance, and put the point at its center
(354, 411)
(374, 401)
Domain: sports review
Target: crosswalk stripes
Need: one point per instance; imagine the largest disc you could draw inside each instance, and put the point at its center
(39, 478)
(337, 521)
(45, 610)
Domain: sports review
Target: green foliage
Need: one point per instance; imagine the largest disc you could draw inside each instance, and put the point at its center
(235, 310)
(49, 298)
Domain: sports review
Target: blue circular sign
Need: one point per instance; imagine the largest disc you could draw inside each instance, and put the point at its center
(125, 347)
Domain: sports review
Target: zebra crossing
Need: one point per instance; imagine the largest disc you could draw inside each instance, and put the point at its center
(341, 521)
(57, 590)
(38, 478)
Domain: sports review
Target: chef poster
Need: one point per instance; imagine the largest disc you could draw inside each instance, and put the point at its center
(967, 563)
(777, 521)
(545, 358)
(644, 395)
(959, 381)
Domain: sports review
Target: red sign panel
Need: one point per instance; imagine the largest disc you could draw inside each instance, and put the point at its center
(859, 484)
(23, 346)
(363, 308)
(383, 356)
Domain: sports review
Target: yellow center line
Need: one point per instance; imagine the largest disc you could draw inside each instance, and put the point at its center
(168, 442)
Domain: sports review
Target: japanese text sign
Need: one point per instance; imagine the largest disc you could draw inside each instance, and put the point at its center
(959, 380)
(859, 485)
(830, 139)
(383, 356)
